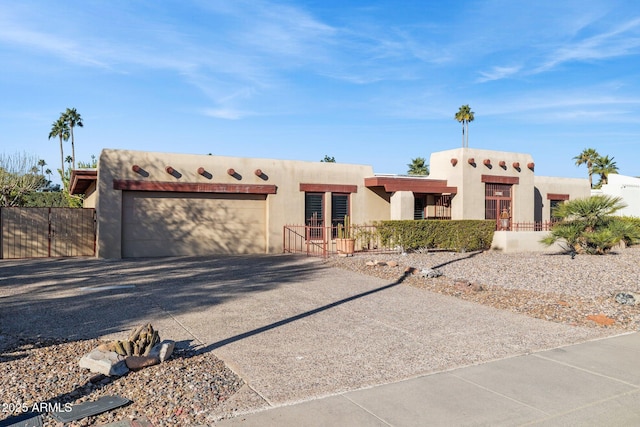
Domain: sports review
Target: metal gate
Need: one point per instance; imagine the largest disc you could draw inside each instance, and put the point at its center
(47, 232)
(498, 204)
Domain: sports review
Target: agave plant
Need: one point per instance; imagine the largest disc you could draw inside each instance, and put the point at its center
(588, 225)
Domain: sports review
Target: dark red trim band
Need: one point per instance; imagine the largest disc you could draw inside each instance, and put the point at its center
(192, 187)
(329, 188)
(495, 179)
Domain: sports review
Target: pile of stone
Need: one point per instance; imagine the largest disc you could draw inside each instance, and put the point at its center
(141, 349)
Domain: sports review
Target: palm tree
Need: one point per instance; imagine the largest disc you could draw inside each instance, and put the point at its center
(60, 129)
(604, 166)
(465, 116)
(73, 119)
(588, 225)
(418, 166)
(588, 157)
(42, 164)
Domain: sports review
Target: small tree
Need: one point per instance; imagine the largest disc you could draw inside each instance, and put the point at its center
(17, 178)
(328, 159)
(588, 225)
(418, 166)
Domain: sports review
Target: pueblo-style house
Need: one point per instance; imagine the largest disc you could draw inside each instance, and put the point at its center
(163, 204)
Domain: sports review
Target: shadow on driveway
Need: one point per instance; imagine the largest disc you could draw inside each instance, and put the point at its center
(82, 298)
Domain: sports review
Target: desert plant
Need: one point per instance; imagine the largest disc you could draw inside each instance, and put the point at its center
(588, 225)
(344, 229)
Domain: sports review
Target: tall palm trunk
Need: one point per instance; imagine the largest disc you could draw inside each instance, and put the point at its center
(61, 156)
(467, 135)
(73, 150)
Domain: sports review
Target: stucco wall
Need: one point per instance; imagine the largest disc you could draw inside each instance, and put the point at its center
(627, 188)
(286, 206)
(523, 241)
(575, 188)
(90, 196)
(469, 203)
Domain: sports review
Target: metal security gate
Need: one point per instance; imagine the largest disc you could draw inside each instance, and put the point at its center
(498, 204)
(47, 232)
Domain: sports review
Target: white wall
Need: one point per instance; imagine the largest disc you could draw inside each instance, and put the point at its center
(627, 188)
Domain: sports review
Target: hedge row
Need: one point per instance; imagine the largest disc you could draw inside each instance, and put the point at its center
(455, 235)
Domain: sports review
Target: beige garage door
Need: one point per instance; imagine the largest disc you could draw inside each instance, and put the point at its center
(173, 224)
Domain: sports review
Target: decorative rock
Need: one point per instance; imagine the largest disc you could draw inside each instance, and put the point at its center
(601, 319)
(135, 363)
(106, 363)
(392, 263)
(371, 263)
(411, 270)
(430, 273)
(627, 298)
(163, 350)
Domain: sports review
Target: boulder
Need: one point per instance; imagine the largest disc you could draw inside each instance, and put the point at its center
(163, 350)
(135, 363)
(107, 363)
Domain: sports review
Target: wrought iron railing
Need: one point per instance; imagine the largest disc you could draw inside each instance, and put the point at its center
(320, 240)
(532, 226)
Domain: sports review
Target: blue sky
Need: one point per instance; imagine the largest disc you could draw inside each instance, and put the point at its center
(375, 82)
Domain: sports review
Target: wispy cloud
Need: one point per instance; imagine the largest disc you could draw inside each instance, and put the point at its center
(498, 73)
(621, 40)
(226, 114)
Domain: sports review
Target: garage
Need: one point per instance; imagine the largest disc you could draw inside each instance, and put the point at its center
(158, 223)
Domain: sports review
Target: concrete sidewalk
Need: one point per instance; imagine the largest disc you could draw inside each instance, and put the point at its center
(591, 384)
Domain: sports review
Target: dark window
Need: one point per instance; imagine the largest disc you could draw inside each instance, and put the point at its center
(419, 204)
(553, 204)
(339, 209)
(314, 214)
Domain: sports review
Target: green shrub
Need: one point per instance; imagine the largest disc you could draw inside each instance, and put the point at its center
(589, 226)
(456, 235)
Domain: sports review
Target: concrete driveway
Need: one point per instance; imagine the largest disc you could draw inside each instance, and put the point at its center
(292, 327)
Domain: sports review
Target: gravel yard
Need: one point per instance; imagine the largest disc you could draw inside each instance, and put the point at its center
(194, 389)
(552, 287)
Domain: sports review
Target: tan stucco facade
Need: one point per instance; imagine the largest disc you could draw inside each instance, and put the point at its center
(549, 189)
(471, 169)
(165, 204)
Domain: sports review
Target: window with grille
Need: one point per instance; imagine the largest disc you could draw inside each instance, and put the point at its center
(339, 209)
(314, 214)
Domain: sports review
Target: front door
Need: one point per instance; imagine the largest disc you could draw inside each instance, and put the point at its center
(498, 205)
